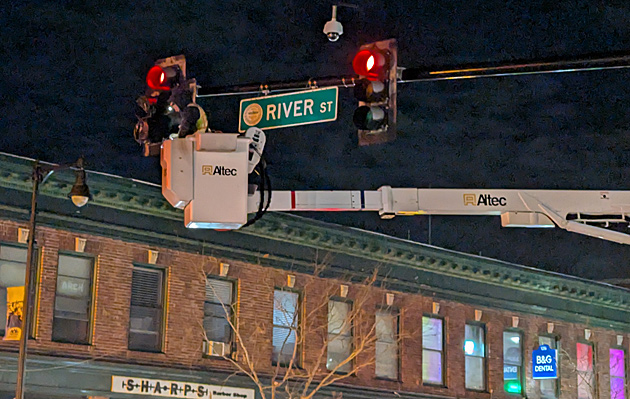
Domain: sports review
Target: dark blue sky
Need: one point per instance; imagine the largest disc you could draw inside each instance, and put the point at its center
(71, 71)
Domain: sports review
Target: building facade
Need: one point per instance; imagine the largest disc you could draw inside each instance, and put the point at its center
(129, 303)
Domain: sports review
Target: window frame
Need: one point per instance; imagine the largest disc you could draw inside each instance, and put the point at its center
(522, 379)
(34, 284)
(556, 339)
(595, 391)
(443, 351)
(91, 308)
(625, 369)
(394, 311)
(299, 311)
(164, 302)
(485, 356)
(233, 305)
(352, 332)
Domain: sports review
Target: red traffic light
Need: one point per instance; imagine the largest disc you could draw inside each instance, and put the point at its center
(156, 78)
(370, 63)
(160, 78)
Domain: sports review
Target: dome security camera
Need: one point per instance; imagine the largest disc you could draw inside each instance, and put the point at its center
(333, 28)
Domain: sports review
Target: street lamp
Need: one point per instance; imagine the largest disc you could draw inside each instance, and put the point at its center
(80, 195)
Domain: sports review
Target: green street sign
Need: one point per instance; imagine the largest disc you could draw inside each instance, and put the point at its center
(293, 109)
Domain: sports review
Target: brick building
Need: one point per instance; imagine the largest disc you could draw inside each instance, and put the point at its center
(127, 299)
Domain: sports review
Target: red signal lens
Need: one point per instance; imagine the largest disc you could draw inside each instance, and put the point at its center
(156, 79)
(370, 63)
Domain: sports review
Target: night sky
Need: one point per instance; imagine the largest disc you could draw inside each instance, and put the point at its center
(71, 71)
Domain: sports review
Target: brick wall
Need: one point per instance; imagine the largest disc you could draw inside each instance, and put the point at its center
(183, 338)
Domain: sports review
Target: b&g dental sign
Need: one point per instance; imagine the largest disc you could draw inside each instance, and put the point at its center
(177, 389)
(545, 363)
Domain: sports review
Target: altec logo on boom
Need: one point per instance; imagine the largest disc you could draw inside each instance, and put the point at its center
(484, 199)
(217, 170)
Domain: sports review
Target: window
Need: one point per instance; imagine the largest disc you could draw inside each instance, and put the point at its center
(549, 388)
(73, 300)
(512, 362)
(585, 376)
(432, 350)
(218, 310)
(617, 373)
(475, 353)
(286, 321)
(146, 313)
(339, 336)
(12, 272)
(386, 344)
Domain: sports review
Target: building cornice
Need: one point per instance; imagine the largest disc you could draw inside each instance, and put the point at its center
(409, 266)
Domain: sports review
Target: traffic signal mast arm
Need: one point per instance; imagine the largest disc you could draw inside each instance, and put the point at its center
(427, 74)
(583, 212)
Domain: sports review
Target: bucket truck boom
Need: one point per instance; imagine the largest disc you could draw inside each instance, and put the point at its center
(206, 175)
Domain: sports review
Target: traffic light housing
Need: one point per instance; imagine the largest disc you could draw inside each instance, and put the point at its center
(376, 64)
(167, 73)
(169, 105)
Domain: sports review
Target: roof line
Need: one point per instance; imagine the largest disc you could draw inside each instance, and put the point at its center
(95, 172)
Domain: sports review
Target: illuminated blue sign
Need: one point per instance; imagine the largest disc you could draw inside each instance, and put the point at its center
(545, 363)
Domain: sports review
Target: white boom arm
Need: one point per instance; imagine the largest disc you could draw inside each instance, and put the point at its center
(206, 175)
(572, 210)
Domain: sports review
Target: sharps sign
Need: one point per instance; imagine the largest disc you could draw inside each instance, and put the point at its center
(545, 363)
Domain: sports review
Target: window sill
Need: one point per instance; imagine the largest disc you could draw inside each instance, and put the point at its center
(216, 357)
(434, 385)
(82, 344)
(157, 352)
(477, 390)
(387, 379)
(295, 366)
(348, 373)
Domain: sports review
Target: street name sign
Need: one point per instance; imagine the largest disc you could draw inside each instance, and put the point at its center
(545, 363)
(292, 109)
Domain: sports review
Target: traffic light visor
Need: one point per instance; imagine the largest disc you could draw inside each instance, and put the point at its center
(157, 79)
(370, 63)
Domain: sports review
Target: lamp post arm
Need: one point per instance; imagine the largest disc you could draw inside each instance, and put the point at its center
(43, 172)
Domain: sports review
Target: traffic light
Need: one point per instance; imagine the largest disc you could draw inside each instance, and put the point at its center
(376, 64)
(169, 106)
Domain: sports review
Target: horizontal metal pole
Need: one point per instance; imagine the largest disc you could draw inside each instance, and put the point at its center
(427, 74)
(520, 68)
(267, 88)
